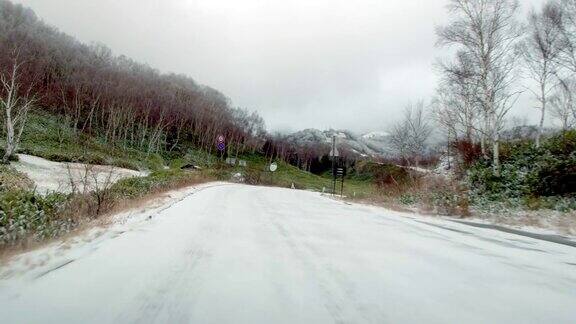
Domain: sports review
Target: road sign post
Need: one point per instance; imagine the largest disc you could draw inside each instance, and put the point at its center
(338, 168)
(339, 174)
(221, 145)
(334, 154)
(273, 167)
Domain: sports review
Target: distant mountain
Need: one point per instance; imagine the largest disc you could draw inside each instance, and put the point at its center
(525, 132)
(373, 144)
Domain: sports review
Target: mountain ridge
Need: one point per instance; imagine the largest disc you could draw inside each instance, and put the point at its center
(371, 144)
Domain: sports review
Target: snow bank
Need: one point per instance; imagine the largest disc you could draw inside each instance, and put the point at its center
(62, 176)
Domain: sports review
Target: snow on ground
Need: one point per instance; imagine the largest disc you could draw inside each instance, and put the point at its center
(417, 169)
(445, 166)
(229, 253)
(62, 176)
(34, 263)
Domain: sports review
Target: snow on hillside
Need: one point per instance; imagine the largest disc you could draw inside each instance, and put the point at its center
(375, 135)
(60, 176)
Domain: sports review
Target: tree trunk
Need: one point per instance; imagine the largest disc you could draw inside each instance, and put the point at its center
(542, 114)
(9, 148)
(496, 153)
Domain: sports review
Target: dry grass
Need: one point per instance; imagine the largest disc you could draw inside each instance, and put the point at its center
(423, 193)
(10, 178)
(555, 221)
(434, 195)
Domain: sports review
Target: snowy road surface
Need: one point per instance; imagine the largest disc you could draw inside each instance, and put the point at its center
(242, 254)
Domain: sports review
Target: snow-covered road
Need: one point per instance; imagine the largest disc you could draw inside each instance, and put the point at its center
(243, 254)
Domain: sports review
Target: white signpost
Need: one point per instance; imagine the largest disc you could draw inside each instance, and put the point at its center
(273, 167)
(334, 153)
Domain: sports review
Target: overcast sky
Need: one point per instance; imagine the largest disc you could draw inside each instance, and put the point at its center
(299, 63)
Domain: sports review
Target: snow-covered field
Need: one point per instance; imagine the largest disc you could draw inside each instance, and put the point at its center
(63, 177)
(226, 253)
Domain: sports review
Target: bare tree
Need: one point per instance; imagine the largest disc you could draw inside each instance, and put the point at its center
(562, 104)
(129, 104)
(410, 136)
(487, 31)
(15, 103)
(566, 23)
(457, 98)
(540, 51)
(445, 117)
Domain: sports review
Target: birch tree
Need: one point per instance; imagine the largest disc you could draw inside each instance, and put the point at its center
(487, 31)
(15, 104)
(457, 96)
(566, 23)
(562, 104)
(541, 50)
(410, 136)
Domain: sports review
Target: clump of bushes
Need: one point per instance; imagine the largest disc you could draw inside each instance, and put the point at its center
(528, 171)
(11, 179)
(383, 174)
(434, 195)
(25, 213)
(200, 158)
(156, 181)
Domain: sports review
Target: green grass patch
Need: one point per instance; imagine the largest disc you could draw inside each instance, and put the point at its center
(257, 173)
(51, 137)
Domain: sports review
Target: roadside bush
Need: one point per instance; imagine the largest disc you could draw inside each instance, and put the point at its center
(255, 177)
(528, 171)
(200, 158)
(383, 174)
(407, 199)
(156, 181)
(555, 170)
(155, 162)
(11, 179)
(25, 213)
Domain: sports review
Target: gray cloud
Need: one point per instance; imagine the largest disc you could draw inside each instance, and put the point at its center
(303, 63)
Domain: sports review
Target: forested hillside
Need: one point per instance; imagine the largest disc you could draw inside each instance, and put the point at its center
(124, 102)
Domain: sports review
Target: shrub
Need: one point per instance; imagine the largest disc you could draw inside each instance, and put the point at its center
(158, 180)
(528, 171)
(11, 179)
(407, 199)
(25, 213)
(200, 158)
(383, 174)
(468, 151)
